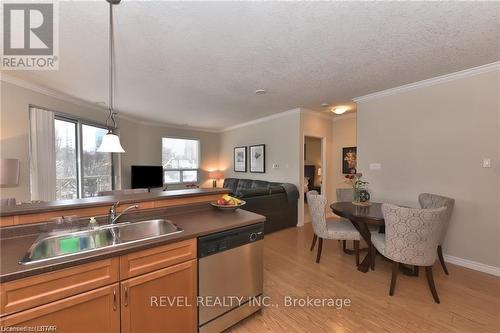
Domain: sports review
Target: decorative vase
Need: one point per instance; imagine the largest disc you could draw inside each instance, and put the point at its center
(361, 197)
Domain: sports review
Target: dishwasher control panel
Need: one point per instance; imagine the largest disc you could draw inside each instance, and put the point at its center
(226, 240)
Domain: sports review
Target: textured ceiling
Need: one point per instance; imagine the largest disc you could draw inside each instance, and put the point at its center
(199, 63)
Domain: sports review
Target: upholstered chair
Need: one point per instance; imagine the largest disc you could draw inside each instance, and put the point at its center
(429, 200)
(411, 237)
(345, 194)
(331, 228)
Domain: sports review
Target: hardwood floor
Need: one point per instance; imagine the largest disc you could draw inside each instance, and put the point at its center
(470, 300)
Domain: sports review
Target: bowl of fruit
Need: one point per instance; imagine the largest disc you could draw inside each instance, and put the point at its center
(228, 203)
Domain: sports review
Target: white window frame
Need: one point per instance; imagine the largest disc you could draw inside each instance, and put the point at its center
(181, 171)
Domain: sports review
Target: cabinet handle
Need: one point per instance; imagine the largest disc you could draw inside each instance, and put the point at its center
(125, 301)
(114, 299)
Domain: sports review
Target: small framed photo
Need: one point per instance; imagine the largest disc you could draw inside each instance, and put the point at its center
(240, 159)
(258, 158)
(349, 160)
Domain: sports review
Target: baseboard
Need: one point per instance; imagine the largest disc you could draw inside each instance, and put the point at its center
(477, 266)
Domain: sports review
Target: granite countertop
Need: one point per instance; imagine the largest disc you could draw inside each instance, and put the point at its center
(197, 221)
(49, 206)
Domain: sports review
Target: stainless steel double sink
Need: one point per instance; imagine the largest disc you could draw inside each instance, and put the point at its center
(64, 244)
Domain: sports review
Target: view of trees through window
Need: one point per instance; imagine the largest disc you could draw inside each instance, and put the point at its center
(180, 159)
(66, 159)
(93, 174)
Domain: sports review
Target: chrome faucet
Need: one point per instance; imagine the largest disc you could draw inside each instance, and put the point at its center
(112, 212)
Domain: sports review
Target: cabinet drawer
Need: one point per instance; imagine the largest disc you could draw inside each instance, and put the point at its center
(93, 311)
(149, 260)
(33, 291)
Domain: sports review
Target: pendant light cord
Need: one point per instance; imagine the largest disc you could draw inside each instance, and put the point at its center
(112, 113)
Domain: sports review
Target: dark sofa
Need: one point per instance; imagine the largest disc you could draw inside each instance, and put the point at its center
(276, 201)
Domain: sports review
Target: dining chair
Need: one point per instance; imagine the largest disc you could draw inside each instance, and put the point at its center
(329, 228)
(429, 200)
(345, 195)
(411, 237)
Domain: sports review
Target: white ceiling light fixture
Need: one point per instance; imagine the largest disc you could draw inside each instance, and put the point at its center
(111, 142)
(340, 109)
(260, 92)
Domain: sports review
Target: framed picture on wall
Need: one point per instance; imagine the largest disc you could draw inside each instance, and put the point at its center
(349, 160)
(240, 159)
(258, 158)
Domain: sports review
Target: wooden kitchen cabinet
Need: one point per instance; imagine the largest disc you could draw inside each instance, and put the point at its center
(94, 311)
(145, 300)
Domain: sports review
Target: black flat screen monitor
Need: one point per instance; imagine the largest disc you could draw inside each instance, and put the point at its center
(147, 176)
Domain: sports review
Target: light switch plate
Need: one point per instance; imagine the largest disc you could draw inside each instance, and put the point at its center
(375, 166)
(486, 162)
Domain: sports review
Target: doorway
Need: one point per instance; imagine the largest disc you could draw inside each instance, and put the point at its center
(314, 171)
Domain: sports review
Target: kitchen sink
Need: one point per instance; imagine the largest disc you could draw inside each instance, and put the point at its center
(64, 244)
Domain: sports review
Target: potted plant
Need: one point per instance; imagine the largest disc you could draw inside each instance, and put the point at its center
(361, 195)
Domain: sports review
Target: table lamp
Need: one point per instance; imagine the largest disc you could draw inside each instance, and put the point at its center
(215, 175)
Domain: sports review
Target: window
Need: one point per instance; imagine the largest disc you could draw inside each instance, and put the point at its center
(66, 159)
(180, 159)
(80, 170)
(97, 168)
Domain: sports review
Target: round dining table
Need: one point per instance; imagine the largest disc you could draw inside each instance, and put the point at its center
(362, 217)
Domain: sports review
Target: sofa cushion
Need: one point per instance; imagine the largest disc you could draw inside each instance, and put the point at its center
(244, 184)
(260, 184)
(252, 192)
(276, 189)
(231, 183)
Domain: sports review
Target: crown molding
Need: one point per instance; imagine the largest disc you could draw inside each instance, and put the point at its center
(80, 102)
(350, 115)
(430, 82)
(263, 119)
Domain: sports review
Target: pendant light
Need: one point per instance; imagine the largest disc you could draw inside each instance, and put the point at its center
(111, 142)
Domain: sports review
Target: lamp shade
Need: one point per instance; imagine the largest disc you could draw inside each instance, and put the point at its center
(9, 171)
(215, 175)
(110, 144)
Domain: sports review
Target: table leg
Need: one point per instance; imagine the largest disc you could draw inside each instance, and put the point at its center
(364, 266)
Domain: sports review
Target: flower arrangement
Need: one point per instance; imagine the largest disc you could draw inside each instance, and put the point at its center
(359, 187)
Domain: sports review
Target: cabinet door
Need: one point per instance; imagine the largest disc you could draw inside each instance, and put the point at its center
(161, 301)
(92, 311)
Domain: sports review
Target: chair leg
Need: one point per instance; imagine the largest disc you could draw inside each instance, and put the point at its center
(441, 259)
(344, 247)
(356, 251)
(415, 270)
(430, 281)
(314, 242)
(395, 271)
(373, 252)
(320, 247)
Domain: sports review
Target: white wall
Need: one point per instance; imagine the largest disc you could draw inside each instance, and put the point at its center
(433, 139)
(344, 135)
(141, 142)
(279, 134)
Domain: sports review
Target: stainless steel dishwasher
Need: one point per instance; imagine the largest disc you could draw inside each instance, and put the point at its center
(230, 277)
